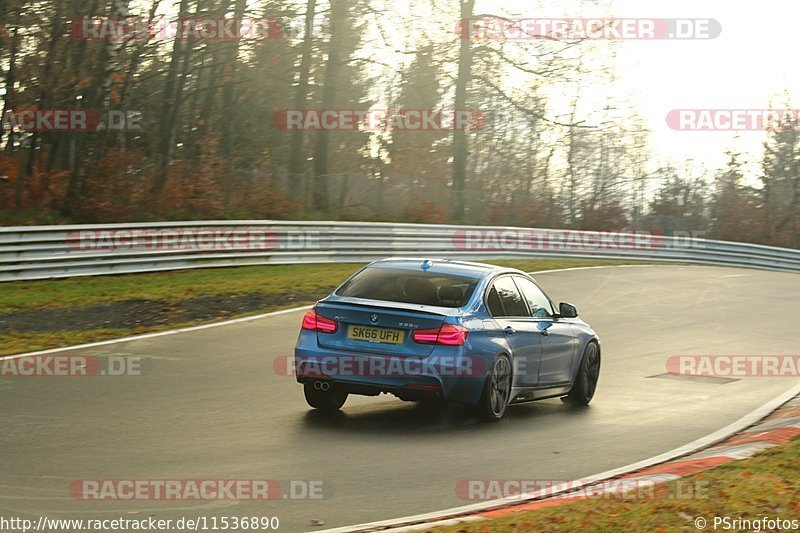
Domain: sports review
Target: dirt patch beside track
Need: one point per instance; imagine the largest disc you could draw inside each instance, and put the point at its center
(136, 313)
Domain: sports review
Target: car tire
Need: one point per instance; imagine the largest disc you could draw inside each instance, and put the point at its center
(497, 390)
(585, 384)
(329, 400)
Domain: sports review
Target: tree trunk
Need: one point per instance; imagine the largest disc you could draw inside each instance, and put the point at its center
(169, 113)
(230, 70)
(296, 154)
(11, 73)
(460, 149)
(319, 193)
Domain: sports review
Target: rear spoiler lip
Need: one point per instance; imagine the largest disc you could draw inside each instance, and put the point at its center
(391, 306)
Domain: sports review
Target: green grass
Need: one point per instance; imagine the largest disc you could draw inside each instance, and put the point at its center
(766, 485)
(176, 285)
(187, 284)
(276, 280)
(31, 342)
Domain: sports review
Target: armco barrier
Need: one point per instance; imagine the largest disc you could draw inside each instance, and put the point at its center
(40, 252)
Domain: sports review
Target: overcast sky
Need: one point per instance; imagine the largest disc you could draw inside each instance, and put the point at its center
(749, 66)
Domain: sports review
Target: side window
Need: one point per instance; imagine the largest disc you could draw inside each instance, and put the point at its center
(508, 296)
(537, 302)
(495, 305)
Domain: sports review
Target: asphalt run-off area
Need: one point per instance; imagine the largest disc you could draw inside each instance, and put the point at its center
(211, 407)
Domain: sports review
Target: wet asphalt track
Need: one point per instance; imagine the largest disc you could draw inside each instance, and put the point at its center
(211, 407)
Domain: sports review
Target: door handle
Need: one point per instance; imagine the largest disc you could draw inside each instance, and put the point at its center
(509, 330)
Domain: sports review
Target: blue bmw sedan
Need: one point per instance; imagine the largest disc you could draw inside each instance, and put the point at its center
(473, 333)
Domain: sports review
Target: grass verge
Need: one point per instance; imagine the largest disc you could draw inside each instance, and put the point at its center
(766, 485)
(37, 315)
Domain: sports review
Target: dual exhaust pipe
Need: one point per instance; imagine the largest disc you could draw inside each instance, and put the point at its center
(322, 385)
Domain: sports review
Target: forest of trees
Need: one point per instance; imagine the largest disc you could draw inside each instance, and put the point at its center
(556, 145)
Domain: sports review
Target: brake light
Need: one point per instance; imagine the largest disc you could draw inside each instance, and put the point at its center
(426, 336)
(447, 335)
(313, 322)
(310, 321)
(451, 335)
(326, 325)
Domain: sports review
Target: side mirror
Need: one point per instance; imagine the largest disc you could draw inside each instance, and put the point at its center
(566, 310)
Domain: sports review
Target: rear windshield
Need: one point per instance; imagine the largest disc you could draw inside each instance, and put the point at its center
(408, 286)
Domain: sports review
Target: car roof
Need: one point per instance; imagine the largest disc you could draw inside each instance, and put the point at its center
(443, 266)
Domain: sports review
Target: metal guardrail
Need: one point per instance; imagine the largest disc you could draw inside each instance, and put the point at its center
(41, 252)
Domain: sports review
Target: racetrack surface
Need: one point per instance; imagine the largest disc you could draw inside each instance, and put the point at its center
(211, 406)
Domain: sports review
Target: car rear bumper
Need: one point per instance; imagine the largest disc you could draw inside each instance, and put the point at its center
(407, 392)
(446, 373)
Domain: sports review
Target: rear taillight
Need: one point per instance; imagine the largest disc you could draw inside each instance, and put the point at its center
(451, 335)
(447, 335)
(426, 336)
(310, 321)
(313, 322)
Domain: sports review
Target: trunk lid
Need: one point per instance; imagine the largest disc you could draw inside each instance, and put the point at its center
(379, 327)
